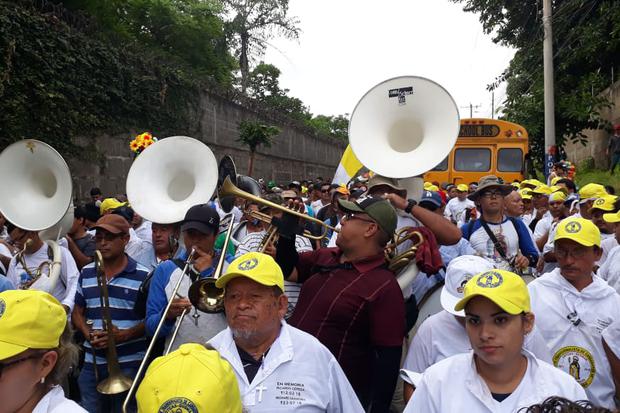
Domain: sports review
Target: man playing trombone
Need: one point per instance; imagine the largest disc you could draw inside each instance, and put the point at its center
(199, 230)
(123, 277)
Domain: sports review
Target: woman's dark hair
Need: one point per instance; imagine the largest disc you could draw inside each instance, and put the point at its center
(557, 404)
(569, 184)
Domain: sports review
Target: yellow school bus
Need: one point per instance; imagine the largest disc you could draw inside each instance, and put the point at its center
(485, 147)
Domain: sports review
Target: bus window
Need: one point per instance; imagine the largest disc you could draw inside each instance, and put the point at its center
(509, 160)
(472, 159)
(443, 166)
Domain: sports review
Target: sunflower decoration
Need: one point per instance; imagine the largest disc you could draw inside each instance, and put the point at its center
(141, 142)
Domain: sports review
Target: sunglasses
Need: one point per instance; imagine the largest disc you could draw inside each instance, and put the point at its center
(351, 216)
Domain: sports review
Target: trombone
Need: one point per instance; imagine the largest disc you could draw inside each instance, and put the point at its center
(229, 189)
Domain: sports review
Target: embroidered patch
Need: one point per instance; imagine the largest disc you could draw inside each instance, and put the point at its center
(178, 405)
(248, 264)
(573, 227)
(461, 287)
(576, 361)
(490, 279)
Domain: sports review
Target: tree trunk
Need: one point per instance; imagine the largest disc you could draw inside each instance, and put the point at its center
(251, 163)
(244, 64)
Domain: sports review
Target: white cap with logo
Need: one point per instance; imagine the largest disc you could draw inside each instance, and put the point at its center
(459, 271)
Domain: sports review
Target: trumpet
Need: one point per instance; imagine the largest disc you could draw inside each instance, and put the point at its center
(229, 189)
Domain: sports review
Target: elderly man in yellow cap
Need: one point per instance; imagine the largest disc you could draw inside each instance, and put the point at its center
(573, 306)
(499, 375)
(278, 367)
(190, 379)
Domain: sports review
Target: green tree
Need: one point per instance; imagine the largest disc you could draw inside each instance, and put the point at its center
(586, 49)
(336, 126)
(254, 134)
(255, 22)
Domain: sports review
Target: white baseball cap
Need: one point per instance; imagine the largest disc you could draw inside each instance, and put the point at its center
(459, 271)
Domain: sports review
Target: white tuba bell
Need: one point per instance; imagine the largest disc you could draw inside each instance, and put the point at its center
(35, 194)
(171, 176)
(401, 128)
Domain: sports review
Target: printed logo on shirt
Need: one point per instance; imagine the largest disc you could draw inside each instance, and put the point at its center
(247, 265)
(576, 361)
(2, 307)
(490, 279)
(573, 227)
(178, 405)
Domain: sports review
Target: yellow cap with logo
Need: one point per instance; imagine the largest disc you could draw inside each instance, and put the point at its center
(557, 197)
(256, 266)
(542, 190)
(582, 231)
(591, 191)
(530, 183)
(526, 193)
(462, 188)
(29, 319)
(190, 379)
(504, 288)
(605, 203)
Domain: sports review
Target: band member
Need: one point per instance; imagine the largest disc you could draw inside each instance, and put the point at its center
(25, 269)
(190, 379)
(165, 242)
(36, 353)
(79, 241)
(349, 300)
(443, 334)
(278, 367)
(499, 375)
(504, 241)
(573, 306)
(123, 276)
(199, 229)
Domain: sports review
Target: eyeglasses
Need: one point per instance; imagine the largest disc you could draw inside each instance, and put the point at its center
(14, 362)
(351, 216)
(576, 254)
(491, 194)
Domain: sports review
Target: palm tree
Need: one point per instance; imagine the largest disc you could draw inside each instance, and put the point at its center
(254, 134)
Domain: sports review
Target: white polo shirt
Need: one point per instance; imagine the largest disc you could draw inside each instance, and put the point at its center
(55, 401)
(571, 322)
(441, 336)
(453, 385)
(298, 374)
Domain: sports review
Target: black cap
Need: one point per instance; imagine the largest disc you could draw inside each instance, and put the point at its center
(202, 218)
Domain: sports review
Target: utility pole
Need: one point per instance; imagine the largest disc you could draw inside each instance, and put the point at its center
(493, 105)
(550, 148)
(471, 109)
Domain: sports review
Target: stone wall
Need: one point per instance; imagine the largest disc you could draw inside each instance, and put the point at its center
(295, 154)
(597, 139)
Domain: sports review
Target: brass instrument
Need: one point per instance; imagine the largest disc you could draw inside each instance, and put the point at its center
(229, 189)
(39, 280)
(89, 324)
(116, 382)
(398, 261)
(270, 237)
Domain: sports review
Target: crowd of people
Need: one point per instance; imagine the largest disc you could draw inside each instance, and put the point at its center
(525, 277)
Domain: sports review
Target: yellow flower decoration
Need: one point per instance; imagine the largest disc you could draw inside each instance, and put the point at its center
(141, 142)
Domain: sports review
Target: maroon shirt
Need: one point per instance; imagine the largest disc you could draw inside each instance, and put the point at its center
(350, 308)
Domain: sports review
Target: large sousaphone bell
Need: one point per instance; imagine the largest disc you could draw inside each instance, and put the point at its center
(35, 195)
(401, 128)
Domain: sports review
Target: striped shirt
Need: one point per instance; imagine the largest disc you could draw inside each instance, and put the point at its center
(122, 290)
(251, 243)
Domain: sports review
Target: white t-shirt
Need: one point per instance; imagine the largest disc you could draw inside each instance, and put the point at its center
(612, 337)
(607, 245)
(441, 336)
(453, 385)
(55, 401)
(251, 243)
(571, 322)
(506, 234)
(137, 248)
(455, 209)
(543, 226)
(298, 374)
(145, 231)
(64, 291)
(316, 206)
(610, 270)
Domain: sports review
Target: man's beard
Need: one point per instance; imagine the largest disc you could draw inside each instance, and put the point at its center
(243, 334)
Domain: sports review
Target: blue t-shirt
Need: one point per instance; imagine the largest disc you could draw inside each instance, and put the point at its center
(5, 284)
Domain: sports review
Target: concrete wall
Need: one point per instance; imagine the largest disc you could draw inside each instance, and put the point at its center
(597, 139)
(295, 154)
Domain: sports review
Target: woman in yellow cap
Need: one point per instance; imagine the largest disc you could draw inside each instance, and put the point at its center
(498, 375)
(36, 353)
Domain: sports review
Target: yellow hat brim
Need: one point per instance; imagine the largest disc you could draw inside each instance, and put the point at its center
(578, 240)
(225, 279)
(9, 350)
(611, 218)
(501, 302)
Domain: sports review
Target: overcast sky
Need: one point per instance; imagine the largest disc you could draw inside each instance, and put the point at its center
(348, 46)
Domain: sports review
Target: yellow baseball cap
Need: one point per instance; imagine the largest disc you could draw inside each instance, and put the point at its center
(542, 189)
(462, 188)
(557, 196)
(612, 218)
(190, 379)
(504, 288)
(592, 191)
(531, 183)
(110, 203)
(526, 193)
(516, 184)
(582, 231)
(29, 319)
(557, 188)
(258, 267)
(555, 180)
(427, 185)
(605, 203)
